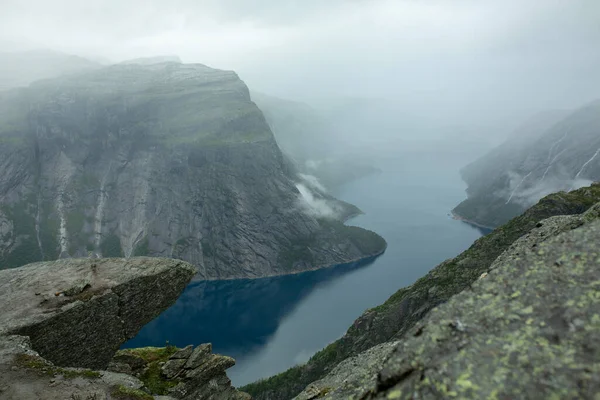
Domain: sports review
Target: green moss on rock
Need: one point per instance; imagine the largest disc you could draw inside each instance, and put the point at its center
(44, 367)
(410, 304)
(152, 376)
(151, 354)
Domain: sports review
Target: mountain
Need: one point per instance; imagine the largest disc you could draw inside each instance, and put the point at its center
(527, 328)
(552, 152)
(312, 138)
(21, 68)
(167, 159)
(369, 340)
(152, 60)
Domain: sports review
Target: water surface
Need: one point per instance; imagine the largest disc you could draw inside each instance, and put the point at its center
(269, 325)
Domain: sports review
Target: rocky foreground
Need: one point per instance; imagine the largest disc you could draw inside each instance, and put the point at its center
(62, 323)
(351, 365)
(527, 329)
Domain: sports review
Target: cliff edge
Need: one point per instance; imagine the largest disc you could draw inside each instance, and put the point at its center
(62, 323)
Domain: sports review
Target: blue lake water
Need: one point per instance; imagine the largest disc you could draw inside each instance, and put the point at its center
(271, 324)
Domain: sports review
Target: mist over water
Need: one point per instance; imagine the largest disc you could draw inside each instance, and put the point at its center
(269, 325)
(413, 89)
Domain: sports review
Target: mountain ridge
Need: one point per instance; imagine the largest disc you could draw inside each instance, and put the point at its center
(163, 160)
(561, 153)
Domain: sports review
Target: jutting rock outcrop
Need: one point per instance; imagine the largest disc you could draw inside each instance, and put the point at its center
(188, 373)
(62, 323)
(164, 160)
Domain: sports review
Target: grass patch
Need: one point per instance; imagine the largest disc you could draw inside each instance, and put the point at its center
(152, 376)
(155, 382)
(151, 354)
(39, 364)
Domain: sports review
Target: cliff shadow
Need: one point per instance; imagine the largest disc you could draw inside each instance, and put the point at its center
(236, 316)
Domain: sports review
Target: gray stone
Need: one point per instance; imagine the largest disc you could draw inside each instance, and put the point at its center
(212, 367)
(404, 309)
(79, 286)
(531, 330)
(134, 362)
(142, 286)
(119, 367)
(199, 356)
(360, 370)
(184, 353)
(86, 333)
(172, 368)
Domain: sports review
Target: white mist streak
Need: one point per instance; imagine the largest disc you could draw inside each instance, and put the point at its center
(100, 209)
(550, 165)
(586, 163)
(556, 144)
(517, 187)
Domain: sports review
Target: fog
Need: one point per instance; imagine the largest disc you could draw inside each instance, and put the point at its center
(481, 64)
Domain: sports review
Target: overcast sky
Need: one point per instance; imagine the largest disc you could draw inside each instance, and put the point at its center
(452, 57)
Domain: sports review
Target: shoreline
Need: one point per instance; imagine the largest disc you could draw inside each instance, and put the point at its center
(459, 217)
(366, 258)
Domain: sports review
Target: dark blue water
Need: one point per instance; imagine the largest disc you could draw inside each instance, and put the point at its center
(269, 325)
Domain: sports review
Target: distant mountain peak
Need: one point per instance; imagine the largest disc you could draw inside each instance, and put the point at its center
(154, 60)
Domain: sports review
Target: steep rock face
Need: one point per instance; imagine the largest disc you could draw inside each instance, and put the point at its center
(78, 312)
(561, 154)
(167, 160)
(391, 320)
(534, 315)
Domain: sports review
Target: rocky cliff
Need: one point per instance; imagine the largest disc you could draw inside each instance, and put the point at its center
(167, 160)
(528, 328)
(62, 323)
(392, 320)
(556, 151)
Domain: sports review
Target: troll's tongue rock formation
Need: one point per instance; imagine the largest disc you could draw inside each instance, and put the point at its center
(165, 160)
(76, 313)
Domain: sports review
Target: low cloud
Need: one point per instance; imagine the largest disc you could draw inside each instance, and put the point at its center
(312, 199)
(313, 182)
(526, 190)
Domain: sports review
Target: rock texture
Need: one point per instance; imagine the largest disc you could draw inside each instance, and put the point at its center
(557, 152)
(165, 160)
(391, 320)
(62, 322)
(529, 328)
(183, 374)
(78, 312)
